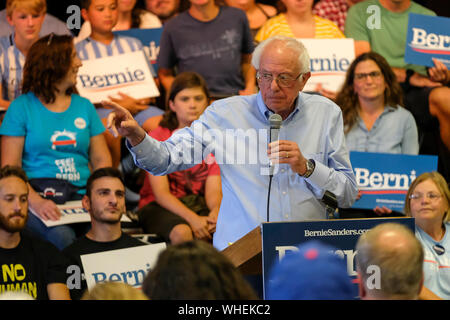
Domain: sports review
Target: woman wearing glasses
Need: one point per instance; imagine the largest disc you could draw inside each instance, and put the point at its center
(428, 201)
(371, 100)
(371, 103)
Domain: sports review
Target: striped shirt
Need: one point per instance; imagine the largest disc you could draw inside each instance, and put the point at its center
(89, 48)
(11, 68)
(278, 25)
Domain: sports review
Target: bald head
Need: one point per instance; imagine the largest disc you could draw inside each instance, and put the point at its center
(397, 253)
(393, 237)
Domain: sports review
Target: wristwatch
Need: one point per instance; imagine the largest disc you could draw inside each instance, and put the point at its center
(310, 166)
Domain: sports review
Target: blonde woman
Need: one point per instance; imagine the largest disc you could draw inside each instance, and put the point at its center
(427, 201)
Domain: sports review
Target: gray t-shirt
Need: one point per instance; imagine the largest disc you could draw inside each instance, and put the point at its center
(212, 49)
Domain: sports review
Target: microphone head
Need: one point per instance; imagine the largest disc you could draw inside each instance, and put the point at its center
(275, 121)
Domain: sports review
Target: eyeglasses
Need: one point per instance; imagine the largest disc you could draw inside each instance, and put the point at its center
(283, 80)
(363, 76)
(430, 195)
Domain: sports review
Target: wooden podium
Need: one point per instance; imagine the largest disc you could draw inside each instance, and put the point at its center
(246, 253)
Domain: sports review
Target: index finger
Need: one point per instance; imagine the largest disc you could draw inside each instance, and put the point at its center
(113, 105)
(110, 124)
(280, 145)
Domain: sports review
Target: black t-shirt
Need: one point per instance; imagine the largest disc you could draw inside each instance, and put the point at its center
(31, 266)
(84, 245)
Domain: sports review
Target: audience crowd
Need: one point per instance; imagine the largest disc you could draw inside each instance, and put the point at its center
(55, 148)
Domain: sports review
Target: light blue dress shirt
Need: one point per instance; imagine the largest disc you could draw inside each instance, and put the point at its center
(236, 130)
(394, 131)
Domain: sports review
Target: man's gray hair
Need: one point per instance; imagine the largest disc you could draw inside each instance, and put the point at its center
(294, 44)
(401, 268)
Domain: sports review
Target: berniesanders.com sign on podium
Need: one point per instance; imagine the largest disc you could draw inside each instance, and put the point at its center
(282, 238)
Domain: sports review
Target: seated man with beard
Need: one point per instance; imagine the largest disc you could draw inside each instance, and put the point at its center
(29, 265)
(105, 202)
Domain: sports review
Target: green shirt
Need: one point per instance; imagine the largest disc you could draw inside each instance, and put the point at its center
(384, 30)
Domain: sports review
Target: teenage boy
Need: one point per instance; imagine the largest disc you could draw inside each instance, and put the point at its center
(29, 265)
(105, 202)
(102, 15)
(26, 17)
(51, 24)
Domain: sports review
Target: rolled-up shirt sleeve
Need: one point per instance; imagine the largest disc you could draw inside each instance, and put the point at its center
(337, 174)
(184, 149)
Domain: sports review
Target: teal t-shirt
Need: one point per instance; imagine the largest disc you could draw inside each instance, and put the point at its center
(56, 143)
(384, 30)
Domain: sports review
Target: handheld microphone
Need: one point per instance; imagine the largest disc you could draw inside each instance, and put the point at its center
(275, 121)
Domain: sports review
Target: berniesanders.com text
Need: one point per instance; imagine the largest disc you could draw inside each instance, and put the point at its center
(334, 232)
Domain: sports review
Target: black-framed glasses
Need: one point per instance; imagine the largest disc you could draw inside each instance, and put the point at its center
(363, 76)
(283, 80)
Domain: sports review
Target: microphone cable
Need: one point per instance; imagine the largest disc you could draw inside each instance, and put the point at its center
(268, 196)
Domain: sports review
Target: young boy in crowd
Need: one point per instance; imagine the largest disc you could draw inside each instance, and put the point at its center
(26, 17)
(102, 15)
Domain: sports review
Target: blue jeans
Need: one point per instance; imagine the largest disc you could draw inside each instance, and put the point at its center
(61, 236)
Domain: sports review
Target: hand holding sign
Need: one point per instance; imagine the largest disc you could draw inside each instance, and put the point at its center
(439, 73)
(418, 80)
(131, 104)
(382, 210)
(121, 122)
(46, 209)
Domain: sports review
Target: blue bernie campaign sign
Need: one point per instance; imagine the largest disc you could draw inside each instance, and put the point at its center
(282, 238)
(428, 37)
(150, 40)
(383, 179)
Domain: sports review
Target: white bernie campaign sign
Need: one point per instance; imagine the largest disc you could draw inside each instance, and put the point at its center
(329, 61)
(128, 73)
(129, 265)
(72, 212)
